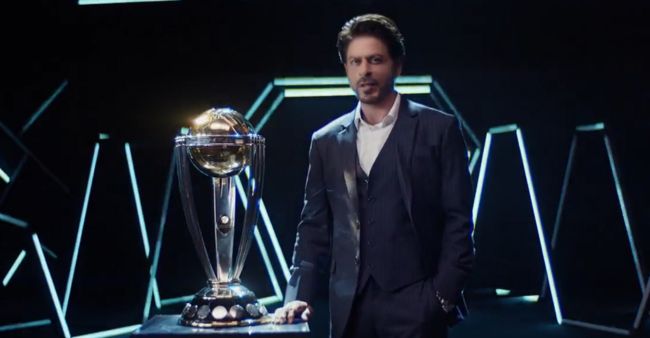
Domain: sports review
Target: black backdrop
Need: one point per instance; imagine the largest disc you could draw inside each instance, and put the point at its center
(139, 71)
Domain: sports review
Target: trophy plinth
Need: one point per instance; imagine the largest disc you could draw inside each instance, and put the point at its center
(221, 144)
(223, 305)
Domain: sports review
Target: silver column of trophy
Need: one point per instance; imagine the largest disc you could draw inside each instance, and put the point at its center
(222, 144)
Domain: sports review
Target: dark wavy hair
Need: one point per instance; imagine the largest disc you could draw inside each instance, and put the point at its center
(375, 25)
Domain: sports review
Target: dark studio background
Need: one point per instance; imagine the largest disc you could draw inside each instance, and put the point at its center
(139, 72)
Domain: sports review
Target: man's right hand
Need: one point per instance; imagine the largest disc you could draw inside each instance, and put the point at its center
(292, 310)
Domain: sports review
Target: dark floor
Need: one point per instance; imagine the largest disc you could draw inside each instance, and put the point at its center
(492, 317)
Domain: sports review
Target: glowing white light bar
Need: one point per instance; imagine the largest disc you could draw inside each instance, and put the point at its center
(540, 227)
(14, 267)
(341, 80)
(4, 176)
(136, 196)
(26, 325)
(48, 279)
(591, 127)
(111, 333)
(12, 220)
(82, 222)
(346, 91)
(502, 292)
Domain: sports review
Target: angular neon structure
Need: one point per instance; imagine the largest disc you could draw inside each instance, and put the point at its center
(533, 201)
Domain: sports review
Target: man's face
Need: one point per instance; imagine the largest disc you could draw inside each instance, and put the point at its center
(370, 69)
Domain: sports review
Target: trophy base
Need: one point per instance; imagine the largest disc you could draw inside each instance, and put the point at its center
(224, 305)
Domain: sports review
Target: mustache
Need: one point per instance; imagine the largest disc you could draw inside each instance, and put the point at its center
(366, 81)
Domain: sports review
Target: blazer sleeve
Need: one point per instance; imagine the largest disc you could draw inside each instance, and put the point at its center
(312, 246)
(457, 248)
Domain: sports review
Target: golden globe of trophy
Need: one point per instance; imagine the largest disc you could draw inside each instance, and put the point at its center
(222, 144)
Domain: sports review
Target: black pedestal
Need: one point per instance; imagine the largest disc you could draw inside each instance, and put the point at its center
(167, 326)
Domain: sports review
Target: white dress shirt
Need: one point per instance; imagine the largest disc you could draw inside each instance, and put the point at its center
(371, 137)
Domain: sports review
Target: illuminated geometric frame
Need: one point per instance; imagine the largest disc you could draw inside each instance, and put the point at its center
(600, 128)
(533, 201)
(339, 86)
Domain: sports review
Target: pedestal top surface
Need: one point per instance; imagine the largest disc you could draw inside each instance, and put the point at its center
(167, 326)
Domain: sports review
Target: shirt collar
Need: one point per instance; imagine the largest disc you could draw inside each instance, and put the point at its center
(388, 119)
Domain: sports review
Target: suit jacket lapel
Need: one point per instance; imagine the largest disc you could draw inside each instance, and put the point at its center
(405, 131)
(347, 147)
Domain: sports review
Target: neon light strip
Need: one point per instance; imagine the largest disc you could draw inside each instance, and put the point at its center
(258, 102)
(44, 106)
(104, 2)
(540, 229)
(597, 327)
(643, 307)
(4, 176)
(591, 127)
(267, 263)
(112, 332)
(347, 91)
(82, 221)
(341, 80)
(626, 220)
(474, 159)
(48, 279)
(136, 196)
(503, 129)
(531, 298)
(49, 252)
(274, 241)
(176, 300)
(451, 106)
(14, 267)
(12, 220)
(20, 326)
(481, 179)
(156, 255)
(269, 300)
(502, 292)
(260, 243)
(269, 112)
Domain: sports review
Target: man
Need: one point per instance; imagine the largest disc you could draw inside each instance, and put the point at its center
(387, 200)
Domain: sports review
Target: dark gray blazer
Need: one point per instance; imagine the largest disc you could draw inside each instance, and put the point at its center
(436, 188)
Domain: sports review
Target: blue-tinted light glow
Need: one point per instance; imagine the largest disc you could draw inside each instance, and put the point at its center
(112, 332)
(626, 220)
(503, 129)
(258, 102)
(14, 267)
(26, 325)
(270, 112)
(540, 228)
(260, 243)
(48, 279)
(136, 196)
(474, 159)
(532, 299)
(104, 136)
(12, 220)
(481, 179)
(44, 106)
(176, 300)
(502, 292)
(591, 127)
(82, 221)
(341, 80)
(4, 176)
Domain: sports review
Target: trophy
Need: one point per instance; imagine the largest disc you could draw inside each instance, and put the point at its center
(222, 144)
